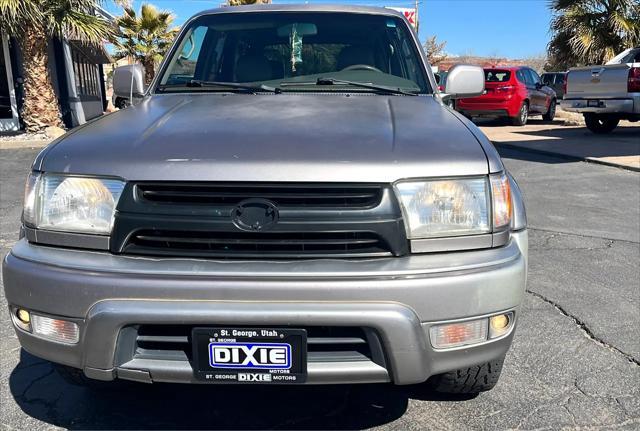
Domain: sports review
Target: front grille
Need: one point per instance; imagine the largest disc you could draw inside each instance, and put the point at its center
(303, 195)
(247, 244)
(183, 219)
(324, 343)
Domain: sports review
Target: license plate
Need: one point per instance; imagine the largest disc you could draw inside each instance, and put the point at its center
(593, 103)
(250, 355)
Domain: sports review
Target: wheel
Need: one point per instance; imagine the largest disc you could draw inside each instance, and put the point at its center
(470, 380)
(121, 103)
(76, 377)
(551, 112)
(523, 115)
(600, 124)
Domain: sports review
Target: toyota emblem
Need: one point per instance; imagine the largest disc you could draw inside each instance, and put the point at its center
(255, 215)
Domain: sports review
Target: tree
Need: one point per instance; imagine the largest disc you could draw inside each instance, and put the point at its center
(146, 37)
(33, 23)
(537, 62)
(591, 31)
(435, 50)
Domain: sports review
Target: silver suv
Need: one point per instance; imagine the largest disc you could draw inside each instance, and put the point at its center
(291, 201)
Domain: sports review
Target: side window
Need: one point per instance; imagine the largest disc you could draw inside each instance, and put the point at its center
(535, 78)
(548, 78)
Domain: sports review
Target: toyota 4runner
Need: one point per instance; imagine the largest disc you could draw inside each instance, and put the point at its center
(291, 201)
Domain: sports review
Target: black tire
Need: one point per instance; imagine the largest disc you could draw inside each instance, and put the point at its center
(120, 103)
(551, 112)
(523, 115)
(600, 124)
(471, 380)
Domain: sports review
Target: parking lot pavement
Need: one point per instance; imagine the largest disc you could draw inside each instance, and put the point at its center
(619, 148)
(575, 361)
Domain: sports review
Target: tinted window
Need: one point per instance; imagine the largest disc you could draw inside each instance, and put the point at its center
(493, 75)
(522, 77)
(535, 78)
(273, 47)
(548, 78)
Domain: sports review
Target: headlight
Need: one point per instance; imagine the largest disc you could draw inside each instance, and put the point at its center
(71, 204)
(441, 208)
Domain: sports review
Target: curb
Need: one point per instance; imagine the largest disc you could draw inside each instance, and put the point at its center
(566, 156)
(12, 145)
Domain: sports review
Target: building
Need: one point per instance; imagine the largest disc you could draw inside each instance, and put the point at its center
(77, 72)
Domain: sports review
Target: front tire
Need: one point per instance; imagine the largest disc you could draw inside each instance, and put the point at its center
(472, 380)
(523, 115)
(600, 124)
(551, 112)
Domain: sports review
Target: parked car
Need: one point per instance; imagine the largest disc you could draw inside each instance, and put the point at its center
(301, 208)
(441, 80)
(605, 94)
(511, 92)
(555, 81)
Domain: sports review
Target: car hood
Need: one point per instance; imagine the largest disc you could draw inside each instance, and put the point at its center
(284, 137)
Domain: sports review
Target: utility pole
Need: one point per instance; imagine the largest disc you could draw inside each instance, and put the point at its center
(417, 21)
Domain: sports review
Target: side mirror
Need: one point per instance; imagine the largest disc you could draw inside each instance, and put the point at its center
(128, 82)
(463, 81)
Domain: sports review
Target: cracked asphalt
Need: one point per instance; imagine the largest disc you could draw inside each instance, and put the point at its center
(575, 361)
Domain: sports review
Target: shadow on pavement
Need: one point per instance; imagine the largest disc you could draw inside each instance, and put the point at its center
(42, 394)
(566, 144)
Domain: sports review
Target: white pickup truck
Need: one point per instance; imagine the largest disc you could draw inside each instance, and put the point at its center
(605, 94)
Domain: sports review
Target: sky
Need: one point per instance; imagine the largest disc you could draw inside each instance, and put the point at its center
(503, 28)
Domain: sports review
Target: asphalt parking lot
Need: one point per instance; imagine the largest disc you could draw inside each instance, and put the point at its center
(575, 361)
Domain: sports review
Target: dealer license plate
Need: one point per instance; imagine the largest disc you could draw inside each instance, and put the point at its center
(250, 355)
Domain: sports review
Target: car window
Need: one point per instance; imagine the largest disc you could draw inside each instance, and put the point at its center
(273, 47)
(523, 77)
(548, 78)
(493, 75)
(184, 66)
(535, 78)
(628, 56)
(559, 78)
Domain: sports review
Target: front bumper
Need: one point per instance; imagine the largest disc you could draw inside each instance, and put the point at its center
(398, 299)
(605, 106)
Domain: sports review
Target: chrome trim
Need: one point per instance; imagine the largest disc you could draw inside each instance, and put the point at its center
(501, 238)
(432, 245)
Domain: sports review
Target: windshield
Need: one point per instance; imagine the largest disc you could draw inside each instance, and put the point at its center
(282, 50)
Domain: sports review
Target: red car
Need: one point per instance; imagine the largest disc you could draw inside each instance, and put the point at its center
(513, 92)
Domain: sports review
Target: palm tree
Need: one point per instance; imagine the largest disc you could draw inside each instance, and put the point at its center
(33, 23)
(145, 38)
(592, 31)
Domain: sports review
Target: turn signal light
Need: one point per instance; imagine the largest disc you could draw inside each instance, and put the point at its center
(458, 334)
(470, 332)
(58, 330)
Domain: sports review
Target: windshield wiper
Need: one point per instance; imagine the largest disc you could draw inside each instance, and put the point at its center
(335, 81)
(228, 85)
